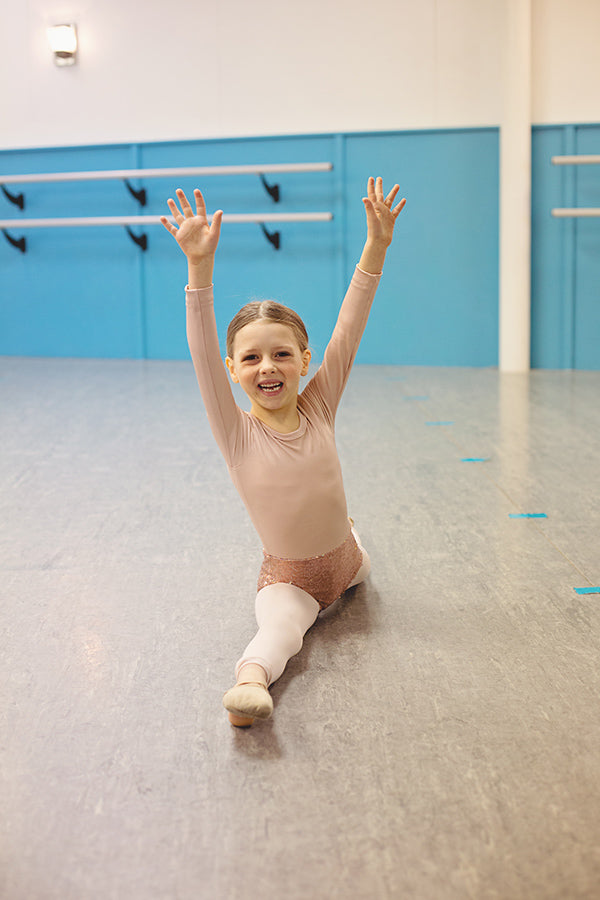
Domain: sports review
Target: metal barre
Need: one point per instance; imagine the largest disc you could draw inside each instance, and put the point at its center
(578, 212)
(257, 169)
(575, 160)
(155, 220)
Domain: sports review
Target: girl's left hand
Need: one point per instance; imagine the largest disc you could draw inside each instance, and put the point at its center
(381, 213)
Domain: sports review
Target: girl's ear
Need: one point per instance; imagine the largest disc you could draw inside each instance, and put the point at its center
(305, 361)
(232, 372)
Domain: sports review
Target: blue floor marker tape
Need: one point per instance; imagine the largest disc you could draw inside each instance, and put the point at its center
(475, 459)
(439, 423)
(527, 516)
(590, 590)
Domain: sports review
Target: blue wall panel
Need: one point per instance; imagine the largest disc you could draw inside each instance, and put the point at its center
(587, 257)
(565, 309)
(75, 292)
(550, 334)
(438, 301)
(92, 292)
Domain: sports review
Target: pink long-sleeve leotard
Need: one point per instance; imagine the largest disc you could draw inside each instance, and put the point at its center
(291, 484)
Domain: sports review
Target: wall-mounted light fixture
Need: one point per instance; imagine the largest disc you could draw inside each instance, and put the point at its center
(63, 42)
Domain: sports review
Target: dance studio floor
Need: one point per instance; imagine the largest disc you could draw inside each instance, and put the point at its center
(438, 737)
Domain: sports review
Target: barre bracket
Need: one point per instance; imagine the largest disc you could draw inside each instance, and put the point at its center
(274, 237)
(17, 199)
(141, 240)
(139, 195)
(19, 243)
(271, 189)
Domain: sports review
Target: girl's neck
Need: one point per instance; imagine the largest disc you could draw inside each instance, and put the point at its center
(283, 421)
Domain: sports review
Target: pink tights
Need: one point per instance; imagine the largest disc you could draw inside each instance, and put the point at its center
(284, 614)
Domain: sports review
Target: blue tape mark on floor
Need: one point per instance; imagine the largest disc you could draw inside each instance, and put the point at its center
(527, 516)
(475, 459)
(439, 423)
(590, 590)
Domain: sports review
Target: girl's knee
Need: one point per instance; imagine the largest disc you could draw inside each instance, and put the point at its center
(364, 570)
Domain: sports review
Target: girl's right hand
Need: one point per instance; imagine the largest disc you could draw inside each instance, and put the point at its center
(197, 238)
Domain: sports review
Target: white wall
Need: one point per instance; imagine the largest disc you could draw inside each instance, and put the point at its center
(204, 68)
(566, 61)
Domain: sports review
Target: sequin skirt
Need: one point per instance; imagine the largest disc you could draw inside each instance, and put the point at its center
(324, 577)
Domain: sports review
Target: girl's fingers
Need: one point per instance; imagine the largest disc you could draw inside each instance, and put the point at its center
(200, 204)
(174, 210)
(392, 194)
(185, 204)
(375, 194)
(398, 209)
(372, 217)
(215, 227)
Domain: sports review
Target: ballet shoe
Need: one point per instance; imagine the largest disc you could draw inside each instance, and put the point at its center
(246, 702)
(240, 721)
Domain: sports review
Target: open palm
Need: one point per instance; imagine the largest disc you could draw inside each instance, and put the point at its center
(381, 212)
(197, 237)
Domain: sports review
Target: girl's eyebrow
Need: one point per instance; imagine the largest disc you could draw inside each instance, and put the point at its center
(246, 350)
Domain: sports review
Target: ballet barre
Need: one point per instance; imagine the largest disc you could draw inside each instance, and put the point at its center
(141, 240)
(156, 220)
(577, 212)
(580, 160)
(204, 171)
(260, 169)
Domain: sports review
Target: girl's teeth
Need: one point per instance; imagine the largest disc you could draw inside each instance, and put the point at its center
(270, 388)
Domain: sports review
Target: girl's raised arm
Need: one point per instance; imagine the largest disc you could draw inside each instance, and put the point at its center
(341, 350)
(197, 238)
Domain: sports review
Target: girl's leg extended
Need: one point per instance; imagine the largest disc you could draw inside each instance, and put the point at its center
(284, 614)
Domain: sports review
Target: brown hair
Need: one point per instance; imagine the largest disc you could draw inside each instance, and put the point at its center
(270, 311)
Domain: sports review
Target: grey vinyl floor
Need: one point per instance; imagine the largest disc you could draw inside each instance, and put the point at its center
(437, 738)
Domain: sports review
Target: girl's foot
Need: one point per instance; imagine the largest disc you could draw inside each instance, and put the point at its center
(246, 702)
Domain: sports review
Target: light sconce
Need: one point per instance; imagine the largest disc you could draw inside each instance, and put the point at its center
(63, 42)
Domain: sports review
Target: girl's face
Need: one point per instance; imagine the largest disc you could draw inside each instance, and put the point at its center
(268, 363)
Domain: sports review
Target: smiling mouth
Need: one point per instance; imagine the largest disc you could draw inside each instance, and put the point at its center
(271, 387)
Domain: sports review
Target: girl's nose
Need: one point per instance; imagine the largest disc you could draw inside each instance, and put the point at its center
(267, 364)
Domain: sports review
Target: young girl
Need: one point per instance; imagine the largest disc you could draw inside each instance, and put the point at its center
(281, 455)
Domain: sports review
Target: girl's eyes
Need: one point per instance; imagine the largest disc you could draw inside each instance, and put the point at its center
(252, 357)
